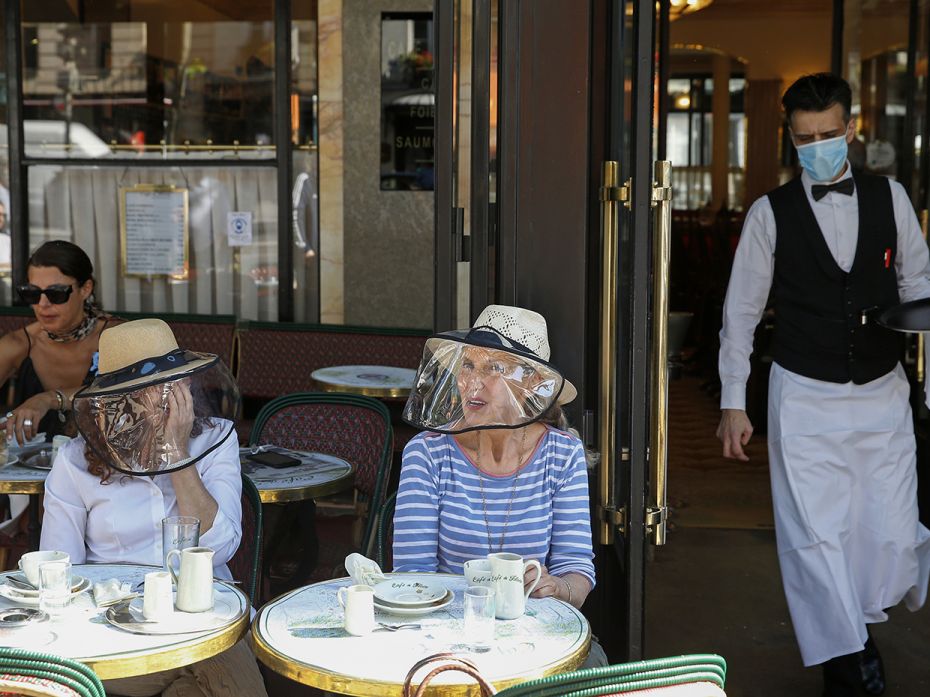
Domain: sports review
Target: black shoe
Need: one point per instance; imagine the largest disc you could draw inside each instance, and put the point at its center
(841, 676)
(872, 669)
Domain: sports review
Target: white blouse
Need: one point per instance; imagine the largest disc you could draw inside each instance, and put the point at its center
(120, 521)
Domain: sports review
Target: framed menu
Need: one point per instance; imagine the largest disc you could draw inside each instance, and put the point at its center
(154, 231)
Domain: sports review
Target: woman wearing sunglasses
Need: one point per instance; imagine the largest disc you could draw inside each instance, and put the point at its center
(53, 356)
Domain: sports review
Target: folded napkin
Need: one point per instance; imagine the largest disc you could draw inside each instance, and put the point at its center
(110, 591)
(363, 570)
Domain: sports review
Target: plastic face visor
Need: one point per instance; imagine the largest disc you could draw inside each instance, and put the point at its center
(463, 387)
(146, 430)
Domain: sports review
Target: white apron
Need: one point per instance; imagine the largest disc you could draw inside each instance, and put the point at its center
(842, 459)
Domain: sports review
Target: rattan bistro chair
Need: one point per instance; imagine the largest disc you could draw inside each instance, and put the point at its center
(354, 428)
(700, 675)
(24, 672)
(383, 548)
(245, 565)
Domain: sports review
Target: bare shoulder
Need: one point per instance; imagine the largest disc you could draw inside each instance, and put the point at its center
(14, 347)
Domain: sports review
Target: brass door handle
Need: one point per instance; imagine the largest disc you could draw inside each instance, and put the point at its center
(611, 195)
(658, 439)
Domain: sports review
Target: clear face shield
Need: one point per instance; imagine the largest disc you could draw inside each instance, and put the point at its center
(143, 424)
(477, 380)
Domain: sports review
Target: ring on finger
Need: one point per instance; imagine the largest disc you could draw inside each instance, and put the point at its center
(27, 422)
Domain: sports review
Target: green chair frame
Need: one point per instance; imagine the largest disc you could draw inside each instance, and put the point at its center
(337, 398)
(254, 499)
(385, 522)
(67, 672)
(626, 677)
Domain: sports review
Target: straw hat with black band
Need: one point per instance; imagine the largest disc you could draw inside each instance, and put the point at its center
(124, 414)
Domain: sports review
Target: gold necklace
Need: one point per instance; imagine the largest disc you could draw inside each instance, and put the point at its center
(513, 492)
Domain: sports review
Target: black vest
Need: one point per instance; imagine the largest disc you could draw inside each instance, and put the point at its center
(819, 329)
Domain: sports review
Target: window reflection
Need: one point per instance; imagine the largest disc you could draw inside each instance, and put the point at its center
(148, 79)
(5, 245)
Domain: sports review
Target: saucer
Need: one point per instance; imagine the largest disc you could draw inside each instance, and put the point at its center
(31, 598)
(78, 583)
(416, 610)
(413, 592)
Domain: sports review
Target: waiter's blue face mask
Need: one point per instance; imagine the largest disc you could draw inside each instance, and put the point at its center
(823, 159)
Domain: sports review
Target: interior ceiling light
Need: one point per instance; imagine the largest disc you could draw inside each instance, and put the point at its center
(678, 8)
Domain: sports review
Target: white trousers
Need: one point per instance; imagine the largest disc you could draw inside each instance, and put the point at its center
(842, 459)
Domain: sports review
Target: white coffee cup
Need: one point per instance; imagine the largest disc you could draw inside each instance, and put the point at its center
(478, 572)
(29, 563)
(157, 601)
(194, 578)
(359, 604)
(57, 443)
(508, 570)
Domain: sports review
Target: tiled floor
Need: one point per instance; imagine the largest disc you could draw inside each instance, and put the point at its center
(716, 586)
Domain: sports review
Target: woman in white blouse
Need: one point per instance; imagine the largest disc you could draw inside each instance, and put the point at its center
(139, 417)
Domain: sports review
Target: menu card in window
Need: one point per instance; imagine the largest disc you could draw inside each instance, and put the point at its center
(154, 231)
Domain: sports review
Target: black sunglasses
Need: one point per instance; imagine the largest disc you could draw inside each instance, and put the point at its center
(56, 294)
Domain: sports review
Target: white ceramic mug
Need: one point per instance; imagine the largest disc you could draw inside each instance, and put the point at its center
(157, 600)
(507, 570)
(194, 578)
(29, 563)
(478, 572)
(359, 604)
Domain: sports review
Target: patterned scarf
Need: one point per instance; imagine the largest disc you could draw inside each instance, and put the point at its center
(92, 312)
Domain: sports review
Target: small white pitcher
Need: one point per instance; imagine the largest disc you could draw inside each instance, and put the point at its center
(507, 570)
(194, 578)
(359, 604)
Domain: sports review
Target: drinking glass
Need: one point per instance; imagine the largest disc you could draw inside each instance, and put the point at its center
(179, 532)
(479, 615)
(54, 586)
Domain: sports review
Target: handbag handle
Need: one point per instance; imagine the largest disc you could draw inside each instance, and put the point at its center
(449, 661)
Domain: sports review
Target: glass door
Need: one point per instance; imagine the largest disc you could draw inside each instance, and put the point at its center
(635, 199)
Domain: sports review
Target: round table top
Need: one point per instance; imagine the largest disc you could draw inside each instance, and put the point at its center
(83, 633)
(318, 474)
(370, 380)
(16, 477)
(301, 636)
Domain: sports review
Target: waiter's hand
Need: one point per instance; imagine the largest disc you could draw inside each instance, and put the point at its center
(734, 431)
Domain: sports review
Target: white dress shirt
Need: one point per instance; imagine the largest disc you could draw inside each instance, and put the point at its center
(120, 521)
(754, 266)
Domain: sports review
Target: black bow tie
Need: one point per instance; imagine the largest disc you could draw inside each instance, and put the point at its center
(844, 186)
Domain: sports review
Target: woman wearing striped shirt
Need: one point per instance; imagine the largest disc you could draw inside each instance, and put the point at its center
(499, 470)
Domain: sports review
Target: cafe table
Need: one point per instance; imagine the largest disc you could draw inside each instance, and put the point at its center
(83, 633)
(318, 474)
(24, 473)
(371, 380)
(300, 635)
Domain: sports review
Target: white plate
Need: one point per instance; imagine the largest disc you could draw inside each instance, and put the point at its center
(224, 613)
(78, 584)
(410, 592)
(416, 610)
(31, 598)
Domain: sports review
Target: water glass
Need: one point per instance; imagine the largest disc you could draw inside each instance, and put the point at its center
(54, 586)
(179, 532)
(479, 615)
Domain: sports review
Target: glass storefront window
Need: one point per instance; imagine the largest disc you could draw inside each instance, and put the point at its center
(305, 200)
(5, 267)
(81, 204)
(144, 79)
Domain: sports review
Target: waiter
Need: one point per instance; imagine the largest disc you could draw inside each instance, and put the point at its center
(834, 246)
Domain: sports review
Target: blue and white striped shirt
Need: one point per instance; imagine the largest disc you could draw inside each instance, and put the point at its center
(439, 521)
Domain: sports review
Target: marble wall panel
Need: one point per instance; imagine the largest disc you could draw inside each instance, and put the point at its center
(388, 235)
